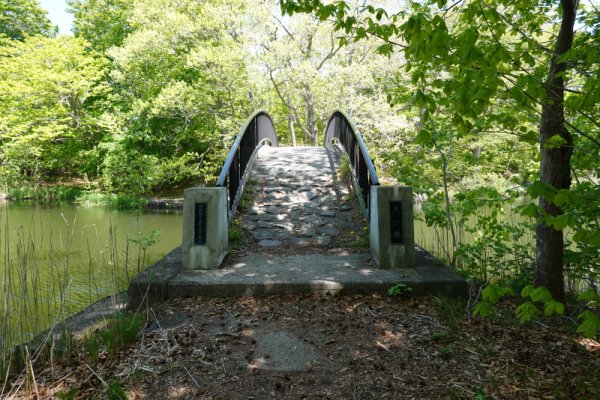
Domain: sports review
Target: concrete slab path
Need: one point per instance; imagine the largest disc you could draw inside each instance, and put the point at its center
(261, 275)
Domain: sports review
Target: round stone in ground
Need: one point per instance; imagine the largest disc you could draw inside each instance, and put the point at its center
(269, 243)
(282, 351)
(308, 231)
(265, 224)
(263, 234)
(282, 235)
(327, 213)
(299, 241)
(310, 194)
(324, 240)
(313, 219)
(329, 230)
(248, 225)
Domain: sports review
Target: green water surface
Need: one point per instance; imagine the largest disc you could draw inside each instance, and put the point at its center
(55, 260)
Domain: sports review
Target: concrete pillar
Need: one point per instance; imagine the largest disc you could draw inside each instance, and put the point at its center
(392, 226)
(204, 243)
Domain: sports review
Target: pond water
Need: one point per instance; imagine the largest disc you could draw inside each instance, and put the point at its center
(55, 260)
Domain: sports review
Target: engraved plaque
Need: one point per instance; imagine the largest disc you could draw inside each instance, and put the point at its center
(396, 222)
(200, 223)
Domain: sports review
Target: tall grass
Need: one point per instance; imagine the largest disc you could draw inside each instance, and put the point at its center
(38, 283)
(117, 201)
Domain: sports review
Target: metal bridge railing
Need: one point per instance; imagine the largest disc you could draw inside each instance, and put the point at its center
(341, 131)
(257, 131)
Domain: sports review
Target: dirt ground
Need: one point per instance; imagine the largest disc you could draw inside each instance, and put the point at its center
(332, 347)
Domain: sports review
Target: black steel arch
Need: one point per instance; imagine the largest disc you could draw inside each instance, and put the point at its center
(341, 131)
(257, 131)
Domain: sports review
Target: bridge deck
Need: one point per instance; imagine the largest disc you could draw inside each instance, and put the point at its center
(299, 200)
(302, 224)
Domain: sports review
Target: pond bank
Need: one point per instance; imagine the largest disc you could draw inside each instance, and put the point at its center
(86, 197)
(155, 203)
(83, 321)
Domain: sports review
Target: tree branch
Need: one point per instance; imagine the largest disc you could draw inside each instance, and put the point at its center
(290, 107)
(332, 52)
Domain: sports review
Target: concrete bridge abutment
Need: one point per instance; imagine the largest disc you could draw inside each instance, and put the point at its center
(391, 229)
(205, 227)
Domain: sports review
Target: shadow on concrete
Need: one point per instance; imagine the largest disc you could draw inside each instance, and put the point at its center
(262, 275)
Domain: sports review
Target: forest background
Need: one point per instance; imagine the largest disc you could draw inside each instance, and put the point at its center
(147, 97)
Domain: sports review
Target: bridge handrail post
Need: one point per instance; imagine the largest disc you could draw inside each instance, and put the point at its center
(342, 131)
(257, 131)
(388, 209)
(391, 228)
(207, 211)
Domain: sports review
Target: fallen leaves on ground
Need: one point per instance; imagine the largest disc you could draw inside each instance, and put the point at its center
(361, 347)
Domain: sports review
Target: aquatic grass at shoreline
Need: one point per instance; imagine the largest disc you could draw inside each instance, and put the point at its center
(74, 194)
(37, 280)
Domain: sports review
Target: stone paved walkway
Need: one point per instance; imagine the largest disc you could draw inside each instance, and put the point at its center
(299, 199)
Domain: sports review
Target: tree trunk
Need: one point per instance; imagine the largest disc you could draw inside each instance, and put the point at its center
(292, 131)
(311, 118)
(555, 160)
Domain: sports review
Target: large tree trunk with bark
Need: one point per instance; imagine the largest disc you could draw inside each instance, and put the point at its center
(555, 160)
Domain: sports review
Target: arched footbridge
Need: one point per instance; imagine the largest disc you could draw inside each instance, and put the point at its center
(309, 219)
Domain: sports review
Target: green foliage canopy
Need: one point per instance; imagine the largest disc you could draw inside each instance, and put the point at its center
(178, 81)
(103, 23)
(22, 18)
(48, 91)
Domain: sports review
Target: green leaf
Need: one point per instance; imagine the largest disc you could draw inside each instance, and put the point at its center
(579, 237)
(385, 49)
(563, 196)
(553, 307)
(528, 59)
(399, 289)
(540, 189)
(555, 142)
(530, 210)
(491, 294)
(467, 40)
(526, 291)
(560, 222)
(527, 311)
(594, 238)
(540, 294)
(588, 295)
(483, 309)
(530, 137)
(590, 325)
(424, 138)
